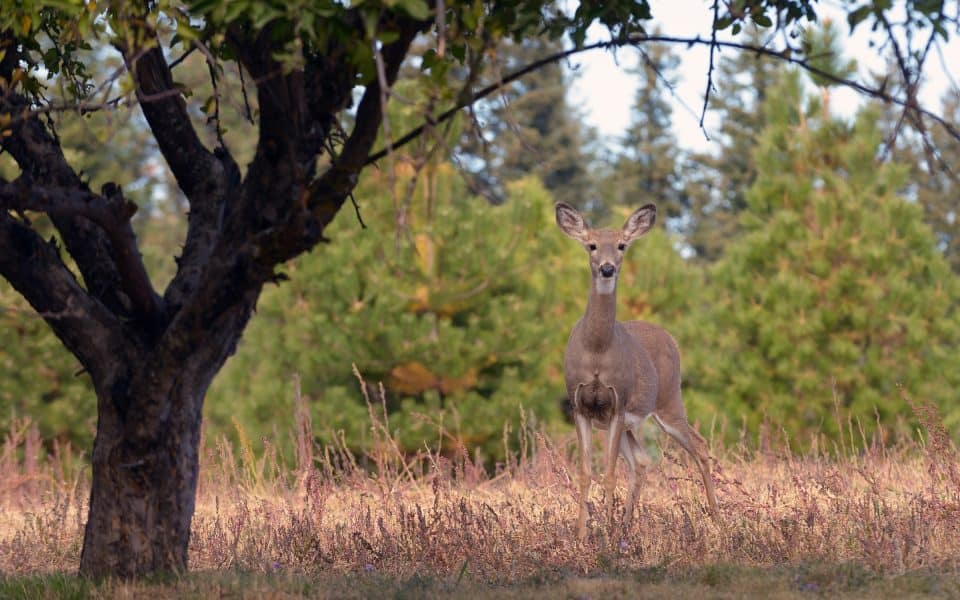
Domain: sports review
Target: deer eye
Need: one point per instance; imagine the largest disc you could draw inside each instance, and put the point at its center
(592, 247)
(622, 247)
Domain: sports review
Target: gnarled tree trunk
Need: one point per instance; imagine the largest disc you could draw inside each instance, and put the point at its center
(152, 357)
(142, 497)
(145, 478)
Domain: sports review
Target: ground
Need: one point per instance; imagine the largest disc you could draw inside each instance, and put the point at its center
(856, 523)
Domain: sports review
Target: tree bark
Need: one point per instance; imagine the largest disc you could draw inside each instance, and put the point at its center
(145, 478)
(142, 495)
(152, 358)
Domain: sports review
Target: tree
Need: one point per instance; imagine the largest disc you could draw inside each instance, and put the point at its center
(933, 157)
(462, 280)
(648, 167)
(938, 182)
(716, 185)
(529, 127)
(151, 356)
(837, 288)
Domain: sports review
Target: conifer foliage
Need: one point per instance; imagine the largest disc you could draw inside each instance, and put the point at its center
(836, 288)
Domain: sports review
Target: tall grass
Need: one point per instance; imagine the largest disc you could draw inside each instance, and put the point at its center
(888, 510)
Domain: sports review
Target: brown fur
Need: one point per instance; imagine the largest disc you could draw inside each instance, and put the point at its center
(614, 370)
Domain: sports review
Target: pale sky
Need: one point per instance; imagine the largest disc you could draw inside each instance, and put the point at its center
(605, 92)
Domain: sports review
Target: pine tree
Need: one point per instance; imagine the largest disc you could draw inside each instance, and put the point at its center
(464, 321)
(835, 288)
(938, 183)
(716, 185)
(449, 318)
(934, 176)
(530, 128)
(647, 168)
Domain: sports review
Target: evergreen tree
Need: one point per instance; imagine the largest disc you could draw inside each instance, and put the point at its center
(464, 322)
(934, 174)
(836, 286)
(716, 185)
(938, 181)
(449, 319)
(648, 168)
(530, 127)
(39, 378)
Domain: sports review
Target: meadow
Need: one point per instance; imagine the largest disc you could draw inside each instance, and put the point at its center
(854, 519)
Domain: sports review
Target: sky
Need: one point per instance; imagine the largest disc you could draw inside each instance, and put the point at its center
(605, 91)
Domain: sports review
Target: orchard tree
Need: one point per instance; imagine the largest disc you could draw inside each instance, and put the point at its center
(151, 355)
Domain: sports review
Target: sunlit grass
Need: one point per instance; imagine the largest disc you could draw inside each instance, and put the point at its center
(882, 520)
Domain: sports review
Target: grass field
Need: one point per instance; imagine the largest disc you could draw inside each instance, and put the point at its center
(880, 521)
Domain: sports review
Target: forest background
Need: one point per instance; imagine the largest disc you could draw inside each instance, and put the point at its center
(807, 267)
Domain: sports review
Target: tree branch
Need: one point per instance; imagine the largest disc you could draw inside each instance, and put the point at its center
(205, 177)
(112, 213)
(84, 325)
(878, 93)
(713, 47)
(328, 192)
(40, 157)
(166, 113)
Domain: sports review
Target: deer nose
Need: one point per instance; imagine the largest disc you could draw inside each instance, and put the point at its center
(607, 270)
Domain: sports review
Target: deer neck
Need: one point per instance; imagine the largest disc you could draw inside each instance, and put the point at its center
(600, 319)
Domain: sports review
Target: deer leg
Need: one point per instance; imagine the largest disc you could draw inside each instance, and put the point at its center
(633, 453)
(694, 443)
(614, 434)
(584, 441)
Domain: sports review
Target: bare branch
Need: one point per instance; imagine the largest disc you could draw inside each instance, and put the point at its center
(34, 268)
(873, 92)
(111, 213)
(713, 47)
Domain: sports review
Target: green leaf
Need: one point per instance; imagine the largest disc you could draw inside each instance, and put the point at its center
(762, 20)
(388, 37)
(857, 16)
(370, 19)
(418, 9)
(204, 6)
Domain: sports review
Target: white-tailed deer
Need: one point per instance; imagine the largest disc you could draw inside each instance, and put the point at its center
(619, 374)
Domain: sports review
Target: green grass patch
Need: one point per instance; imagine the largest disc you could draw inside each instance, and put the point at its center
(846, 580)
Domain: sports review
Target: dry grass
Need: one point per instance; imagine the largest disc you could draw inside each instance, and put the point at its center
(433, 525)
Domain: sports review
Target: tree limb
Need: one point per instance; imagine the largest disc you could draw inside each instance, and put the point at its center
(713, 47)
(206, 178)
(85, 326)
(40, 158)
(872, 92)
(328, 192)
(112, 213)
(166, 113)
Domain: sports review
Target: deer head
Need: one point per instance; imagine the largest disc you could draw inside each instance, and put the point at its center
(606, 247)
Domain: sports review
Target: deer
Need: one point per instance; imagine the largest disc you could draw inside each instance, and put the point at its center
(618, 374)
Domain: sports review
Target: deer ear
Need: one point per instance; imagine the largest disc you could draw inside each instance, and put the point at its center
(571, 222)
(639, 222)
